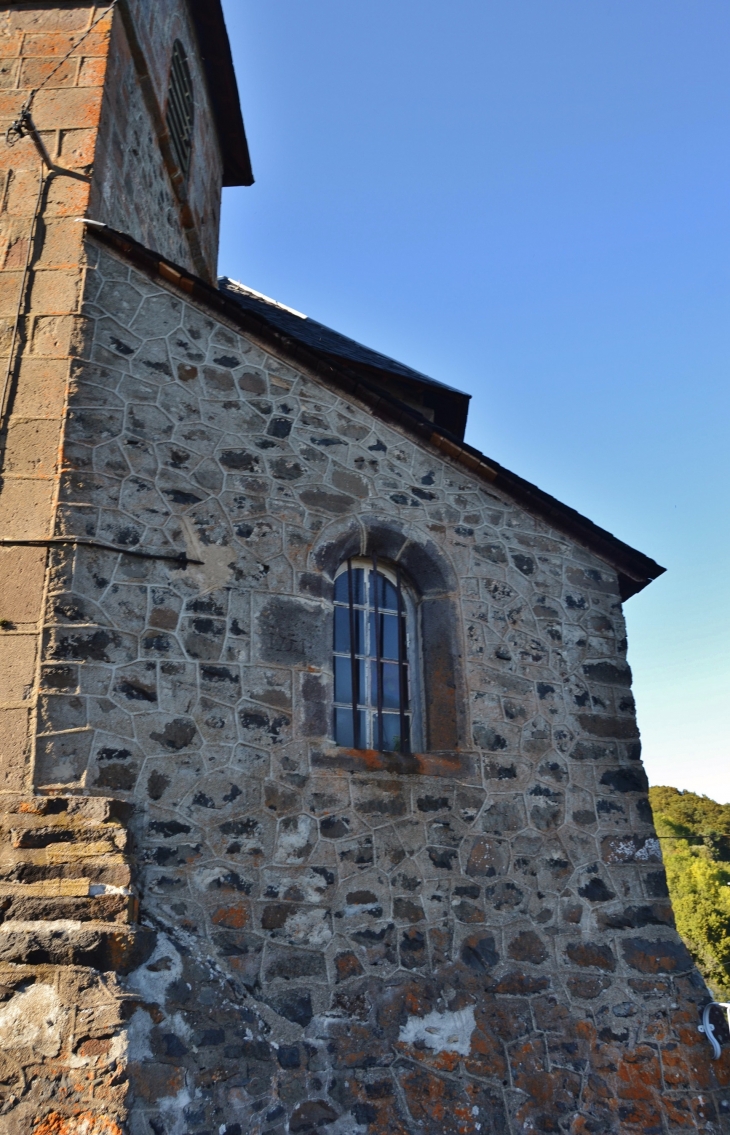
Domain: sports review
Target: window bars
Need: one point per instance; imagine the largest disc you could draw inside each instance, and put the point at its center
(371, 659)
(180, 109)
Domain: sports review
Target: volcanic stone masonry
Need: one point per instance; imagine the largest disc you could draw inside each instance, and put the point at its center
(469, 940)
(213, 920)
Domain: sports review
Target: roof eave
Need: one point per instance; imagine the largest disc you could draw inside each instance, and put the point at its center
(215, 50)
(634, 569)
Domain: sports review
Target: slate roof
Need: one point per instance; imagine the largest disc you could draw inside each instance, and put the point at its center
(441, 404)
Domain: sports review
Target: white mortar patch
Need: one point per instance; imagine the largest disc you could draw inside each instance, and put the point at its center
(442, 1032)
(214, 569)
(153, 979)
(33, 1019)
(296, 835)
(174, 1107)
(308, 928)
(138, 1036)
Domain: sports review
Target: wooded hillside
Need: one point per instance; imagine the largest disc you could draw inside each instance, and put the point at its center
(695, 839)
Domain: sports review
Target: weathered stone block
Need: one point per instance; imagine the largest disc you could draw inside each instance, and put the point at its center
(293, 633)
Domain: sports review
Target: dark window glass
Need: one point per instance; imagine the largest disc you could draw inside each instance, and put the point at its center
(344, 727)
(392, 741)
(386, 593)
(180, 110)
(358, 587)
(376, 713)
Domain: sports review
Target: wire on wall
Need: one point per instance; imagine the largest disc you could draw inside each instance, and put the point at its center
(24, 126)
(42, 176)
(18, 128)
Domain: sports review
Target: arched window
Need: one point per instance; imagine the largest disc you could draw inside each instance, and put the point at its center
(374, 658)
(180, 109)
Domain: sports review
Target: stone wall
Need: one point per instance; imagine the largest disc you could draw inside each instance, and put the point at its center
(472, 939)
(137, 187)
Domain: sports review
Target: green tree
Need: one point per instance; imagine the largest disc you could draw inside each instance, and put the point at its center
(695, 838)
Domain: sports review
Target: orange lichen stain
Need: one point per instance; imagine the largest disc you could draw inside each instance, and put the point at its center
(233, 917)
(679, 1113)
(585, 1030)
(486, 1056)
(643, 1114)
(415, 1004)
(582, 1125)
(639, 1074)
(86, 1123)
(440, 1061)
(674, 1068)
(446, 1061)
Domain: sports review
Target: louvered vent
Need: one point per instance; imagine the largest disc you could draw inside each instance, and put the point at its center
(180, 108)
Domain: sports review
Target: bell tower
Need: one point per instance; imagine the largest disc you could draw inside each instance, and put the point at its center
(127, 114)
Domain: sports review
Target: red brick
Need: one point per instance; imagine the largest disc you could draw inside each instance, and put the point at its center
(77, 148)
(66, 109)
(33, 72)
(59, 43)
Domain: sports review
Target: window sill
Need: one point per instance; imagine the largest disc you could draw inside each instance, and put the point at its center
(461, 766)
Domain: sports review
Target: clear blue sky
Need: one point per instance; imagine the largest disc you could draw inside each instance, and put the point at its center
(529, 200)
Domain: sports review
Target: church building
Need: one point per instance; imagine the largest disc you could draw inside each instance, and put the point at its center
(321, 799)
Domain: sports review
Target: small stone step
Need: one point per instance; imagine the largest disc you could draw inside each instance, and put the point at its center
(38, 836)
(119, 908)
(100, 945)
(33, 866)
(47, 888)
(98, 809)
(66, 894)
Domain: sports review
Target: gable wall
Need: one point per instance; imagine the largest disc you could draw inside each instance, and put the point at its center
(320, 912)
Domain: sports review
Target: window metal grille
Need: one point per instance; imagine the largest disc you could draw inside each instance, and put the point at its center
(180, 109)
(372, 709)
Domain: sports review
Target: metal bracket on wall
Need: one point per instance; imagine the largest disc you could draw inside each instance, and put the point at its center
(59, 541)
(25, 127)
(708, 1028)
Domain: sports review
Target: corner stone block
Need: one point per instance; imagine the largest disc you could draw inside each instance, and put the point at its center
(10, 283)
(14, 749)
(17, 667)
(65, 108)
(62, 759)
(41, 388)
(32, 448)
(52, 335)
(22, 571)
(37, 19)
(56, 292)
(25, 509)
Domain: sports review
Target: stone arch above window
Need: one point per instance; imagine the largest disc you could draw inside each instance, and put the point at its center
(433, 582)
